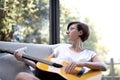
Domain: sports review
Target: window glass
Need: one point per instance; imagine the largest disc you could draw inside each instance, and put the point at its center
(68, 13)
(25, 21)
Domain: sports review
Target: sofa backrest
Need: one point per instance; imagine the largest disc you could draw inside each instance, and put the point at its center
(37, 50)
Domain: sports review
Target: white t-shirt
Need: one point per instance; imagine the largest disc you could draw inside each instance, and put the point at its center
(63, 52)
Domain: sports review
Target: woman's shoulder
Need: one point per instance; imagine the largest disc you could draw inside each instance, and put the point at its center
(61, 47)
(90, 51)
(65, 44)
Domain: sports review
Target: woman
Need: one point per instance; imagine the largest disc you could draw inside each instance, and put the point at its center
(74, 54)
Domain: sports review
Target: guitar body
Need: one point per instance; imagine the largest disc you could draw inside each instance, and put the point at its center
(47, 72)
(46, 75)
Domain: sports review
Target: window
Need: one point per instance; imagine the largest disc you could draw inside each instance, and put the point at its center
(25, 21)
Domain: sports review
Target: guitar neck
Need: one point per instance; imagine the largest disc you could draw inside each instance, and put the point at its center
(42, 60)
(33, 58)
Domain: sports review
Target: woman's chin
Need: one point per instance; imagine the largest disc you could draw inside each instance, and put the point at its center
(69, 39)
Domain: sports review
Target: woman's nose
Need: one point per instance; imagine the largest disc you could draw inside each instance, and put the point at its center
(67, 32)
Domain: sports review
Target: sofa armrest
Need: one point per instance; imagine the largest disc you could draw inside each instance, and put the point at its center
(9, 67)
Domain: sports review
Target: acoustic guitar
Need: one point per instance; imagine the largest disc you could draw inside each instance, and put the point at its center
(53, 69)
(54, 73)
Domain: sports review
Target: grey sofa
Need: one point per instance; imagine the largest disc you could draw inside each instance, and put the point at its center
(9, 66)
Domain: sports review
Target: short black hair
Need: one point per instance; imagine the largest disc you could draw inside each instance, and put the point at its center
(83, 27)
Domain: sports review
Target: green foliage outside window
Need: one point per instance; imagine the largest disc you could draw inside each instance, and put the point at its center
(30, 16)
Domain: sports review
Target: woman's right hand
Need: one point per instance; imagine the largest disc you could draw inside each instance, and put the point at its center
(18, 56)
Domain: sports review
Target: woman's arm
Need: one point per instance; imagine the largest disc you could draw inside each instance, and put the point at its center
(96, 64)
(18, 56)
(51, 56)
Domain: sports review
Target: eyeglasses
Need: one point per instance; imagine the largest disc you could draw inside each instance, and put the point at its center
(70, 29)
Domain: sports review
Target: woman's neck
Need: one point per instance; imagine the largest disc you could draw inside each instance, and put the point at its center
(77, 46)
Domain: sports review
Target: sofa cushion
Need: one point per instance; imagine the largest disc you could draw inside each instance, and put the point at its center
(9, 67)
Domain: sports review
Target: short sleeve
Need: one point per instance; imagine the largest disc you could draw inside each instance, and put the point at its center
(93, 54)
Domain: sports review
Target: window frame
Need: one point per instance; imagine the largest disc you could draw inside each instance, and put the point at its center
(54, 27)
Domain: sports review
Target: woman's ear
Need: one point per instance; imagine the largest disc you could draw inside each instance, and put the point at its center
(80, 32)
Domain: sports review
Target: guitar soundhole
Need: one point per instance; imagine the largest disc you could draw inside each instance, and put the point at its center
(45, 75)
